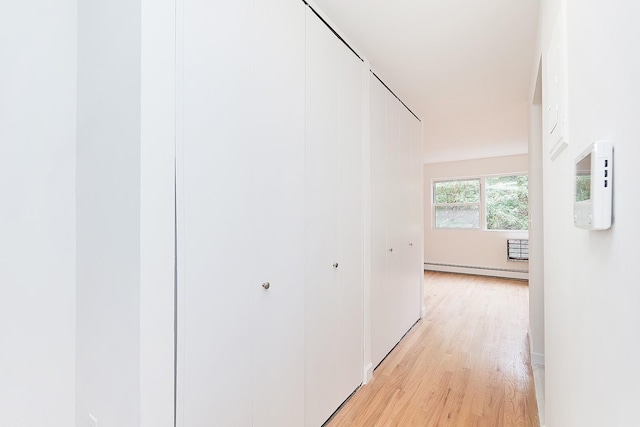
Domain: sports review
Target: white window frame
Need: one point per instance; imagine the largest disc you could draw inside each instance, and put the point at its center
(484, 198)
(482, 203)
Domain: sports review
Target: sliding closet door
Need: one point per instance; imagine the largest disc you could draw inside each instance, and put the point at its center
(409, 280)
(396, 278)
(215, 214)
(386, 178)
(278, 215)
(381, 324)
(417, 210)
(350, 223)
(333, 334)
(241, 215)
(322, 321)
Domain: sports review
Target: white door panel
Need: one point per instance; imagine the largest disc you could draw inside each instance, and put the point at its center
(395, 286)
(241, 215)
(333, 338)
(380, 326)
(278, 215)
(394, 238)
(214, 313)
(322, 320)
(409, 309)
(350, 223)
(417, 211)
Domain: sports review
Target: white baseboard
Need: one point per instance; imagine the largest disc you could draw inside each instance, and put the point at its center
(538, 380)
(537, 359)
(479, 271)
(368, 374)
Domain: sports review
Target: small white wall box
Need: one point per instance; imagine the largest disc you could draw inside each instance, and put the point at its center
(594, 187)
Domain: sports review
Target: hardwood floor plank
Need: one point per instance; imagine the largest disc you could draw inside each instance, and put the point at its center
(466, 364)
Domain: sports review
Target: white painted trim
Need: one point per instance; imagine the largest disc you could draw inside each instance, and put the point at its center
(366, 179)
(423, 309)
(538, 380)
(558, 148)
(537, 359)
(537, 369)
(479, 271)
(368, 374)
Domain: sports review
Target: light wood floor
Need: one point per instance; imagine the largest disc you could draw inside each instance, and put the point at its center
(465, 364)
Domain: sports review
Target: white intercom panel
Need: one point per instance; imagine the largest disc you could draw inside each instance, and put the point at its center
(593, 191)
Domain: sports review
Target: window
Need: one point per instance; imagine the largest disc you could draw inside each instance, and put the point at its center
(507, 203)
(459, 203)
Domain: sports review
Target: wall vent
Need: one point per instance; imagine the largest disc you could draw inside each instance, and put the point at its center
(518, 250)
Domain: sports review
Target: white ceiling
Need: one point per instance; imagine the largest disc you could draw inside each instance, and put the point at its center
(463, 66)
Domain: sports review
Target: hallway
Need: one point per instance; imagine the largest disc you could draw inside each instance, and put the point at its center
(466, 364)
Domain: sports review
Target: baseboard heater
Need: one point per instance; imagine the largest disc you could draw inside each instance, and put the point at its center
(509, 270)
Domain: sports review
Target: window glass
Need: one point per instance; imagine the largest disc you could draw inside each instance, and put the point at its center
(457, 203)
(458, 216)
(507, 203)
(463, 191)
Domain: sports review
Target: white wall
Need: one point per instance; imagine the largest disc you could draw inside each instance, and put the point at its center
(108, 213)
(485, 250)
(157, 211)
(37, 213)
(536, 230)
(591, 296)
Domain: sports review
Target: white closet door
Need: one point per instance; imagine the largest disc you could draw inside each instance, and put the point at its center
(395, 286)
(381, 326)
(322, 321)
(350, 223)
(333, 336)
(215, 215)
(278, 215)
(417, 209)
(402, 190)
(409, 289)
(391, 306)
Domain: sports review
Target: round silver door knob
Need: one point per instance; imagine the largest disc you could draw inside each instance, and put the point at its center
(335, 265)
(266, 285)
(410, 244)
(391, 250)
